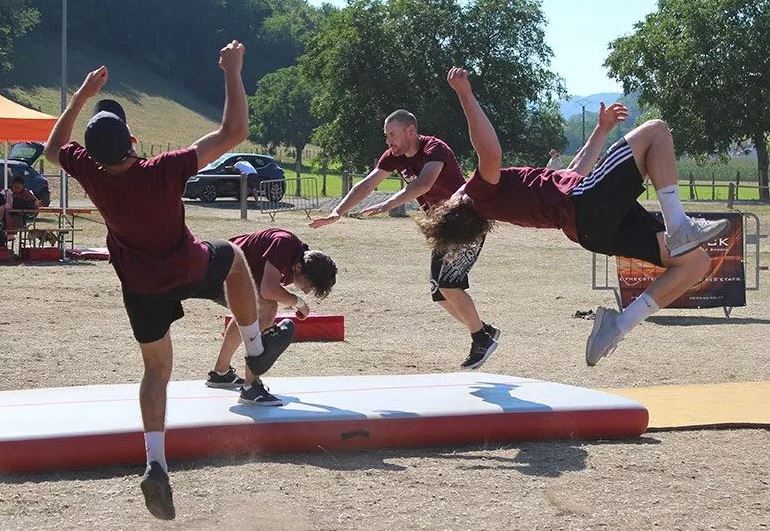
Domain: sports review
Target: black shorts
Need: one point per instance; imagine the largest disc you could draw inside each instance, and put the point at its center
(151, 315)
(452, 273)
(609, 218)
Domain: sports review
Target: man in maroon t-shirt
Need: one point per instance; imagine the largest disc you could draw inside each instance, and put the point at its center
(158, 261)
(277, 258)
(594, 204)
(430, 169)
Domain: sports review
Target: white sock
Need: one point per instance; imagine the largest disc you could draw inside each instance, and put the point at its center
(639, 310)
(155, 446)
(671, 206)
(252, 338)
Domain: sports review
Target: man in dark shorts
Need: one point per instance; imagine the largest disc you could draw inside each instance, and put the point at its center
(276, 258)
(594, 204)
(158, 261)
(430, 169)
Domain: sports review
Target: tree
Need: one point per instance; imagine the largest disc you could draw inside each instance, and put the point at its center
(279, 113)
(373, 57)
(706, 67)
(17, 17)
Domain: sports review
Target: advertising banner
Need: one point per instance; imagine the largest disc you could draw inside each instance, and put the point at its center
(723, 286)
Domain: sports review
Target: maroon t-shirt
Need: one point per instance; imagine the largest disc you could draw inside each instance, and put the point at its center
(529, 197)
(279, 247)
(150, 246)
(430, 149)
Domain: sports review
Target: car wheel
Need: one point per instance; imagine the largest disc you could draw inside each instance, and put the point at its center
(275, 191)
(208, 194)
(44, 195)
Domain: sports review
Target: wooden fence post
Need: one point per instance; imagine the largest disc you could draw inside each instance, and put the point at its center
(693, 195)
(324, 171)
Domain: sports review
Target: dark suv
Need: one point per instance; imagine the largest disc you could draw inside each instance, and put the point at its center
(207, 185)
(20, 160)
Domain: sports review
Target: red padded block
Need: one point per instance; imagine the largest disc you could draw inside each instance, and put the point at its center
(41, 254)
(316, 327)
(5, 254)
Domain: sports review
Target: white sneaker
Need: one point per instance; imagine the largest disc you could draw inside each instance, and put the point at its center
(604, 337)
(692, 233)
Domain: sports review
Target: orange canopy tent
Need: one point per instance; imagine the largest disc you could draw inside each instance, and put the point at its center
(18, 123)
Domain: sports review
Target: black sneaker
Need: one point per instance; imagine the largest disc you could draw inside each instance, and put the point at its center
(157, 492)
(492, 330)
(225, 381)
(275, 340)
(258, 395)
(481, 349)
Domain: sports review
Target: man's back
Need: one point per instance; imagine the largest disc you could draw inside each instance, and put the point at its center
(150, 246)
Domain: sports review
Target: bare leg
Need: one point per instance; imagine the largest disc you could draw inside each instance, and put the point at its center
(653, 149)
(460, 306)
(158, 359)
(267, 312)
(240, 292)
(681, 273)
(230, 344)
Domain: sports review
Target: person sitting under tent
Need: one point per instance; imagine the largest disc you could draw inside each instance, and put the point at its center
(594, 204)
(17, 198)
(277, 258)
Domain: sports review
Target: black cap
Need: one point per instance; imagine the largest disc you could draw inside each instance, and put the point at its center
(107, 137)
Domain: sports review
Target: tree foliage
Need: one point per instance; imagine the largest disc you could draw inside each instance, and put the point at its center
(17, 17)
(179, 39)
(279, 112)
(374, 57)
(706, 67)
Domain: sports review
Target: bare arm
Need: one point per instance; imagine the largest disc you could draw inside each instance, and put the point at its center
(235, 118)
(586, 158)
(413, 190)
(270, 287)
(482, 134)
(62, 130)
(356, 194)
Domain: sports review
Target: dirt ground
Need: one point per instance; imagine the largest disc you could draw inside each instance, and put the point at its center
(65, 325)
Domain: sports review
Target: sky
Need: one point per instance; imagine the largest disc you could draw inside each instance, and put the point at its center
(578, 32)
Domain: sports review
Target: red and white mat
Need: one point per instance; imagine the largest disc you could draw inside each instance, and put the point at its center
(98, 425)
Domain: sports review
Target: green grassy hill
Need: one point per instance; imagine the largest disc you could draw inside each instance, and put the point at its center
(159, 112)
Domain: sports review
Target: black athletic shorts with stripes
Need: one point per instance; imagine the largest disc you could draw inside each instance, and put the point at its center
(452, 272)
(609, 218)
(151, 315)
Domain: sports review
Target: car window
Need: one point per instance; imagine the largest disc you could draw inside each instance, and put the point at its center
(215, 164)
(259, 162)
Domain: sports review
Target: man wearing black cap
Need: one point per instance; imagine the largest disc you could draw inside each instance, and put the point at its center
(159, 262)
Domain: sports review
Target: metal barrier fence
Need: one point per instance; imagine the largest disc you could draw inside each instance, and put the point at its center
(298, 194)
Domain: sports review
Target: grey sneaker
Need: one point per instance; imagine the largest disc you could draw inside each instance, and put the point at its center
(692, 233)
(604, 337)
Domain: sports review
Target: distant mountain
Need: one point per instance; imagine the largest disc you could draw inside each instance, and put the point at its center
(572, 105)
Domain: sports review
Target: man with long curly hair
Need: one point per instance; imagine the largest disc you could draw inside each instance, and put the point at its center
(594, 204)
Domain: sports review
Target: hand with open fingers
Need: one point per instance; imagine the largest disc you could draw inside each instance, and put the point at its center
(379, 208)
(322, 222)
(458, 80)
(611, 116)
(231, 57)
(93, 82)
